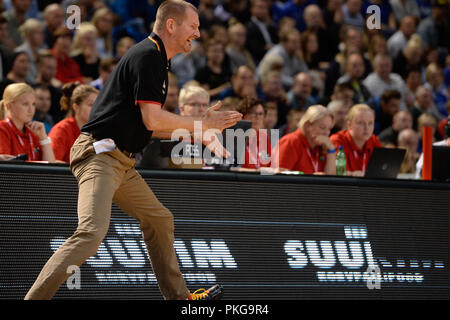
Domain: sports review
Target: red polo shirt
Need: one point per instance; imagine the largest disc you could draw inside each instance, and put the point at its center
(356, 159)
(63, 135)
(295, 153)
(68, 69)
(15, 142)
(255, 157)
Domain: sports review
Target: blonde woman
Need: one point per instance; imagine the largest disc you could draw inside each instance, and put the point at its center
(103, 20)
(358, 139)
(309, 148)
(18, 133)
(78, 101)
(84, 51)
(32, 32)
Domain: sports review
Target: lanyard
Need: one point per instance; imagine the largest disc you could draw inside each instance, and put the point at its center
(22, 143)
(355, 153)
(315, 163)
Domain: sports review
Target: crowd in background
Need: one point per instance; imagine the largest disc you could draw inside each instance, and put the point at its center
(315, 70)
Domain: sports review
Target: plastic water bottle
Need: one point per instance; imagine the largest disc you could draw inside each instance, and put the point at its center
(340, 162)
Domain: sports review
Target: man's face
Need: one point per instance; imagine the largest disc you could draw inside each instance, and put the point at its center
(425, 99)
(21, 5)
(54, 18)
(244, 77)
(260, 10)
(47, 68)
(188, 31)
(402, 120)
(43, 100)
(273, 87)
(383, 68)
(408, 26)
(391, 107)
(21, 65)
(355, 66)
(302, 86)
(292, 43)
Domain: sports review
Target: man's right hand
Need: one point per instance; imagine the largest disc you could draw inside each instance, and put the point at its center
(215, 119)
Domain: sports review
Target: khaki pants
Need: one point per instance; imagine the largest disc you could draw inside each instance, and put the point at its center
(102, 179)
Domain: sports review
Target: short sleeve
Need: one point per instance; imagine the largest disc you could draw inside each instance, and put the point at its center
(148, 80)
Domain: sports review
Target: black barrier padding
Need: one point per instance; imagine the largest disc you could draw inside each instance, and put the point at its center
(261, 237)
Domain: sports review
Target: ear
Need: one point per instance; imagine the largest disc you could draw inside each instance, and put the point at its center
(171, 26)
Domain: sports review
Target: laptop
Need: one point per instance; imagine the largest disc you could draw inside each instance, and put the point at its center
(440, 163)
(385, 163)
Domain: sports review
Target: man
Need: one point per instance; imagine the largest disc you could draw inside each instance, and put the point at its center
(16, 17)
(273, 91)
(389, 105)
(126, 112)
(288, 49)
(400, 121)
(242, 83)
(299, 97)
(339, 109)
(355, 70)
(53, 19)
(383, 79)
(424, 104)
(261, 32)
(398, 40)
(5, 53)
(47, 65)
(18, 72)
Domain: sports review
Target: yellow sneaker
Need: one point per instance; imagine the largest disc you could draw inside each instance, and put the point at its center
(213, 293)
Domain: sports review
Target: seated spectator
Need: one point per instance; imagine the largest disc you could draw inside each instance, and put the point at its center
(271, 118)
(215, 76)
(309, 47)
(326, 45)
(289, 50)
(78, 101)
(261, 31)
(413, 80)
(424, 104)
(425, 120)
(410, 57)
(123, 45)
(84, 51)
(236, 49)
(383, 79)
(355, 70)
(351, 14)
(271, 63)
(435, 81)
(103, 20)
(273, 91)
(344, 92)
(397, 42)
(171, 103)
(16, 17)
(434, 29)
(295, 9)
(18, 133)
(299, 97)
(105, 68)
(444, 142)
(206, 16)
(47, 66)
(292, 119)
(18, 72)
(43, 104)
(309, 148)
(53, 19)
(409, 140)
(185, 65)
(400, 121)
(339, 109)
(32, 33)
(258, 149)
(389, 104)
(358, 139)
(6, 53)
(67, 69)
(243, 82)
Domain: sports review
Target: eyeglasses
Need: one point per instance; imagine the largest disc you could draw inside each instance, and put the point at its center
(198, 105)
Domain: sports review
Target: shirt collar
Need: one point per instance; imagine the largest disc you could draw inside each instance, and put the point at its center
(160, 45)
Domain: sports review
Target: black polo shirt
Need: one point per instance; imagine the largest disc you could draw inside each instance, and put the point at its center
(140, 76)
